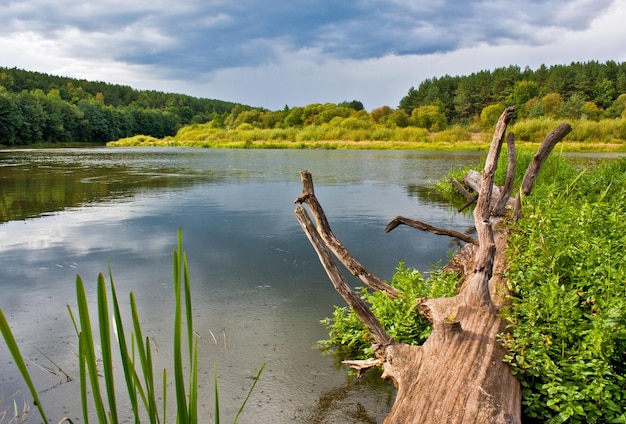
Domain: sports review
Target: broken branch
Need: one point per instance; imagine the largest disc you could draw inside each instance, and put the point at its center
(399, 220)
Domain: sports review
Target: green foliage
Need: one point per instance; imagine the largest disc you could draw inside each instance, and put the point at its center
(604, 131)
(567, 319)
(490, 114)
(462, 98)
(139, 376)
(41, 108)
(399, 317)
(430, 117)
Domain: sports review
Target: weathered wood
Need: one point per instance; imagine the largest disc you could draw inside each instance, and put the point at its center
(457, 375)
(339, 282)
(468, 203)
(552, 138)
(362, 365)
(469, 196)
(333, 243)
(399, 220)
(507, 190)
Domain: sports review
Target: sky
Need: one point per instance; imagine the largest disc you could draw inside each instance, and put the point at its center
(272, 53)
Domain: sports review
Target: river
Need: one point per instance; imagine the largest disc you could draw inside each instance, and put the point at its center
(259, 291)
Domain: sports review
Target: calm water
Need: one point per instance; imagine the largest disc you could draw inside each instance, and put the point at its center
(258, 288)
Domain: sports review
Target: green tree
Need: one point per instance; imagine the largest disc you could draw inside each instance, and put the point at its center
(574, 107)
(30, 127)
(10, 117)
(397, 118)
(429, 117)
(551, 104)
(523, 91)
(604, 93)
(354, 104)
(295, 118)
(591, 111)
(378, 113)
(618, 107)
(535, 108)
(490, 114)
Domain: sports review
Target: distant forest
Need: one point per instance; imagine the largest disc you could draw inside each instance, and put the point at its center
(564, 91)
(40, 108)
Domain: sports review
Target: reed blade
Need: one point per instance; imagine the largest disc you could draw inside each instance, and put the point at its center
(105, 343)
(19, 361)
(256, 379)
(89, 352)
(127, 364)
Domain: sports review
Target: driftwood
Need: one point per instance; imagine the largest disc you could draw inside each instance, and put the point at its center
(457, 375)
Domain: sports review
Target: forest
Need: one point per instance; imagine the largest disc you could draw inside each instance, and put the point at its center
(39, 108)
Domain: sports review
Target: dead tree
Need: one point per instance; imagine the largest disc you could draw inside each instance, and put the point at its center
(457, 375)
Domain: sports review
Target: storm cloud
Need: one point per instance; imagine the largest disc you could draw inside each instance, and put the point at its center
(199, 46)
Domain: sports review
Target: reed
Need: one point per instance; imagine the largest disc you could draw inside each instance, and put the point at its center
(139, 373)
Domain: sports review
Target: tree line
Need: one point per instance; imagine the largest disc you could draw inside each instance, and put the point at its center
(40, 108)
(36, 107)
(588, 90)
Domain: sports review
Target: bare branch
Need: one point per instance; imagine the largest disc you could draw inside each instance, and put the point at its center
(552, 138)
(507, 190)
(333, 243)
(478, 288)
(339, 282)
(468, 203)
(484, 195)
(399, 220)
(362, 365)
(474, 180)
(469, 196)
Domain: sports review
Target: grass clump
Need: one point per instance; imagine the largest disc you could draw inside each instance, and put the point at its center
(140, 378)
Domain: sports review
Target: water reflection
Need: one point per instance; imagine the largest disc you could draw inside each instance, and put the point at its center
(257, 284)
(38, 183)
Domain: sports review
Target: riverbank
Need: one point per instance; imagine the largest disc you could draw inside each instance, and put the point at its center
(478, 143)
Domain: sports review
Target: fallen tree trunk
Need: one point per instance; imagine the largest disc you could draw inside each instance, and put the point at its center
(457, 375)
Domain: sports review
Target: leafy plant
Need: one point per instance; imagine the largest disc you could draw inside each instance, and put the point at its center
(139, 375)
(567, 319)
(349, 337)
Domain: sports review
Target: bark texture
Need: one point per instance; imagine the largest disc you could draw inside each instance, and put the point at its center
(457, 375)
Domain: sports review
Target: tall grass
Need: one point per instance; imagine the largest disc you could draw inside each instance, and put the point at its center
(139, 374)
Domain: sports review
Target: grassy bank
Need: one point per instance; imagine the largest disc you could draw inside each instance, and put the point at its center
(603, 136)
(566, 323)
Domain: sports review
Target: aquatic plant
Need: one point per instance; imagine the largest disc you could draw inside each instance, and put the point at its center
(139, 374)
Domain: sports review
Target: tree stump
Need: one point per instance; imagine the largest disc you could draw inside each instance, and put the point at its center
(457, 375)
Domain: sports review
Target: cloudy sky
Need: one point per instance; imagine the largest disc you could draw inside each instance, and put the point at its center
(273, 53)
